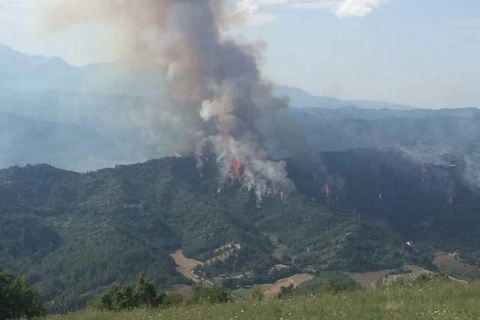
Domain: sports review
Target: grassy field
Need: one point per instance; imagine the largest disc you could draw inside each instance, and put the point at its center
(272, 290)
(449, 301)
(449, 264)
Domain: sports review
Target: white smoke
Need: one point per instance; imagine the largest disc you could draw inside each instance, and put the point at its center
(214, 82)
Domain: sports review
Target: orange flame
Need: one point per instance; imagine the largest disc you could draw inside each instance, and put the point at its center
(236, 169)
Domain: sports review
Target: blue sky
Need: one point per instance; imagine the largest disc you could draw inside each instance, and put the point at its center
(420, 52)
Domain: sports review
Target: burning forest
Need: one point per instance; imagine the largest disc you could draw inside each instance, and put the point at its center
(220, 102)
(214, 82)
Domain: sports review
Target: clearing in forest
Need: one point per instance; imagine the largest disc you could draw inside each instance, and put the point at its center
(186, 265)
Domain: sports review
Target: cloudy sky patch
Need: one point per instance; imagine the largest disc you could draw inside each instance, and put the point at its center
(258, 13)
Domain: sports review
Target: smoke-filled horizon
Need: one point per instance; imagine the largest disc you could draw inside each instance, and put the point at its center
(214, 82)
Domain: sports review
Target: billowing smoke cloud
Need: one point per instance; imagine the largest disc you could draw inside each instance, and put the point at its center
(214, 82)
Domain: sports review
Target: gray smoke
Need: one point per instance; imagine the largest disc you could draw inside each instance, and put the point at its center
(214, 82)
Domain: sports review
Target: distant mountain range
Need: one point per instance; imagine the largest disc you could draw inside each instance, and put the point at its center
(21, 72)
(302, 99)
(85, 118)
(24, 73)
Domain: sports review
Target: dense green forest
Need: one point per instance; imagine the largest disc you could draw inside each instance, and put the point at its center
(73, 235)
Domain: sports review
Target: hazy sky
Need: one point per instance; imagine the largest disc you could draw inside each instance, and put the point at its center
(420, 52)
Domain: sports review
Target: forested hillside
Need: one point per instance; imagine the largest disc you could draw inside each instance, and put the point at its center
(74, 234)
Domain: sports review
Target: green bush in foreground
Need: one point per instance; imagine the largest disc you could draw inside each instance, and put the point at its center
(328, 282)
(18, 299)
(210, 294)
(141, 294)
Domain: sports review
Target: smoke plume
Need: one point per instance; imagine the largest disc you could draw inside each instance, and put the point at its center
(214, 82)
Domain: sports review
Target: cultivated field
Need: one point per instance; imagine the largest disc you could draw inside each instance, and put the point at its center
(272, 290)
(450, 264)
(185, 265)
(369, 280)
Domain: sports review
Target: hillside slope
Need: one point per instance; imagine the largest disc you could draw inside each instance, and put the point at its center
(74, 234)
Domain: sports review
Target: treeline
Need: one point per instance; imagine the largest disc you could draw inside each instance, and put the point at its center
(142, 293)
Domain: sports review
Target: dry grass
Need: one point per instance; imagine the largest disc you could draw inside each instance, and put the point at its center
(272, 290)
(369, 279)
(449, 264)
(185, 265)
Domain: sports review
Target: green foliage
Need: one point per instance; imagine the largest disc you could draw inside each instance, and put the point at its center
(335, 284)
(141, 294)
(286, 292)
(434, 300)
(256, 294)
(73, 235)
(210, 294)
(18, 299)
(175, 299)
(327, 282)
(368, 248)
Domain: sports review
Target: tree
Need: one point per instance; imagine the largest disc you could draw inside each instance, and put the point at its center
(286, 292)
(18, 299)
(210, 294)
(141, 294)
(327, 282)
(333, 284)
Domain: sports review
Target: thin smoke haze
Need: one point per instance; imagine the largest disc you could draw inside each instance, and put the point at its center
(214, 82)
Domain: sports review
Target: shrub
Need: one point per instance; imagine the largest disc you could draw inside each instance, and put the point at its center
(141, 294)
(210, 294)
(256, 294)
(174, 299)
(18, 299)
(286, 292)
(327, 282)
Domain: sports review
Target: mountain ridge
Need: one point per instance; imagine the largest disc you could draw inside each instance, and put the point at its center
(300, 98)
(54, 65)
(124, 110)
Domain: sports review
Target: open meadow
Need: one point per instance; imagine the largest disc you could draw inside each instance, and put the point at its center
(433, 301)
